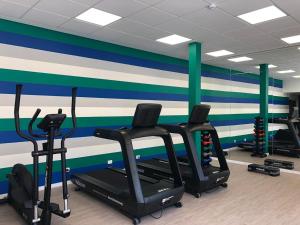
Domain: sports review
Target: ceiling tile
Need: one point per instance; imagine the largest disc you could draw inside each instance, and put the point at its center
(238, 7)
(23, 2)
(286, 32)
(182, 27)
(150, 2)
(291, 7)
(215, 20)
(123, 38)
(138, 29)
(79, 27)
(245, 34)
(179, 7)
(277, 24)
(106, 34)
(152, 16)
(215, 1)
(12, 10)
(62, 7)
(264, 43)
(121, 8)
(87, 2)
(44, 18)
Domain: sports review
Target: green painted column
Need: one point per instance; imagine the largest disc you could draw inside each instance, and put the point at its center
(264, 100)
(195, 83)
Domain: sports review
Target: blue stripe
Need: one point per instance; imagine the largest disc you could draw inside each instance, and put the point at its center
(52, 90)
(57, 175)
(231, 122)
(228, 99)
(53, 46)
(238, 78)
(11, 136)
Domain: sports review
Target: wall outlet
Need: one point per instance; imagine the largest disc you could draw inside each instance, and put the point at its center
(138, 156)
(109, 162)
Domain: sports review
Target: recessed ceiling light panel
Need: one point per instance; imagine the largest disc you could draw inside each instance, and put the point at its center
(98, 17)
(292, 39)
(219, 53)
(262, 15)
(286, 71)
(240, 59)
(173, 39)
(297, 76)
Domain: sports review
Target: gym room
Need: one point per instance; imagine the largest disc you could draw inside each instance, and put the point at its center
(150, 112)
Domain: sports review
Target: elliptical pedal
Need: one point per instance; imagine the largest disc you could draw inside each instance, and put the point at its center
(268, 170)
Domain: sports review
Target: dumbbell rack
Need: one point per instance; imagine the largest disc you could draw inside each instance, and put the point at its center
(259, 134)
(206, 148)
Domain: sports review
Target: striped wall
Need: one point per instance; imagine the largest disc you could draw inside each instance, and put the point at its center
(112, 80)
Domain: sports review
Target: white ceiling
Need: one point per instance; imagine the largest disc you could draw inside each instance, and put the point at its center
(144, 21)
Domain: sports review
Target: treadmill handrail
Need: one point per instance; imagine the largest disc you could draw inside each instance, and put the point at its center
(108, 133)
(190, 147)
(186, 129)
(178, 128)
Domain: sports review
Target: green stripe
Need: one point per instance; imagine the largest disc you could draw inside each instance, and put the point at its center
(243, 95)
(9, 125)
(278, 98)
(42, 33)
(215, 93)
(46, 34)
(102, 159)
(228, 72)
(94, 160)
(63, 80)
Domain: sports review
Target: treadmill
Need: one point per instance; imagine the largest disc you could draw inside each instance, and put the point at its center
(286, 141)
(134, 194)
(197, 178)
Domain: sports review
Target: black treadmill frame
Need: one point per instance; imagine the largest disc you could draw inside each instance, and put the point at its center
(136, 205)
(282, 148)
(199, 182)
(125, 137)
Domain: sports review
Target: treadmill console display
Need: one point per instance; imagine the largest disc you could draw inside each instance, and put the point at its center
(146, 115)
(199, 114)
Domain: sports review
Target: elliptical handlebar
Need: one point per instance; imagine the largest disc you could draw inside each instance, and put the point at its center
(17, 117)
(35, 116)
(33, 119)
(73, 106)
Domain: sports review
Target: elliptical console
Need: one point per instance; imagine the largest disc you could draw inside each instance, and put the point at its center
(23, 190)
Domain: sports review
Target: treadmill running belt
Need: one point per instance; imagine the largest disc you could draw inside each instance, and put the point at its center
(186, 171)
(116, 179)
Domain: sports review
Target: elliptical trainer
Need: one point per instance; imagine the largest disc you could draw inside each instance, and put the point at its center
(23, 189)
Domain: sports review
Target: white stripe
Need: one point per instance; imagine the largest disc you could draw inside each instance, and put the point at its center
(93, 150)
(275, 91)
(84, 108)
(19, 58)
(229, 85)
(60, 101)
(27, 112)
